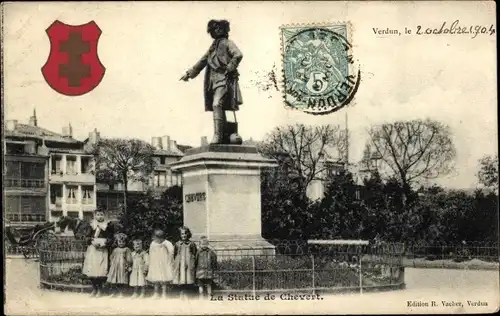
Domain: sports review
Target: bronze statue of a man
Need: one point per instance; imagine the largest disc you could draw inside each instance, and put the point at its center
(221, 89)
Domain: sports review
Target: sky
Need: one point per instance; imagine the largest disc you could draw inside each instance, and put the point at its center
(146, 47)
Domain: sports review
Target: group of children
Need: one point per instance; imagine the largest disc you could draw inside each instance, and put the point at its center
(182, 264)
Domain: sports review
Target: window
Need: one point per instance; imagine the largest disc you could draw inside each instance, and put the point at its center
(13, 169)
(174, 179)
(71, 195)
(162, 160)
(88, 216)
(15, 149)
(12, 204)
(87, 195)
(37, 205)
(32, 171)
(358, 194)
(73, 214)
(159, 178)
(25, 208)
(169, 178)
(12, 174)
(56, 194)
(56, 165)
(24, 174)
(86, 165)
(71, 165)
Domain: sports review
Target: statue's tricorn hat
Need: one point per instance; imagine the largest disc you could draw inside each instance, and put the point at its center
(223, 23)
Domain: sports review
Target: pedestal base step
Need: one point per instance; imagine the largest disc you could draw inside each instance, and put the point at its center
(242, 248)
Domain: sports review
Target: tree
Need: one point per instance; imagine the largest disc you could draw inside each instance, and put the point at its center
(375, 202)
(147, 213)
(453, 216)
(120, 160)
(484, 218)
(389, 209)
(340, 214)
(285, 208)
(301, 149)
(411, 151)
(488, 172)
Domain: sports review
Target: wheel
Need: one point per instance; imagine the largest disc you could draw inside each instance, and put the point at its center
(26, 252)
(28, 249)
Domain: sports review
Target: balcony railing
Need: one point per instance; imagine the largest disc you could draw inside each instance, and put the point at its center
(24, 183)
(26, 217)
(71, 201)
(87, 201)
(58, 177)
(71, 172)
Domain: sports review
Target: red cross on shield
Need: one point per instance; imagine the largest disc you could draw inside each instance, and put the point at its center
(73, 67)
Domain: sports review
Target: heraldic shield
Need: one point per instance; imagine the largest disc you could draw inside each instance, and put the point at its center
(73, 67)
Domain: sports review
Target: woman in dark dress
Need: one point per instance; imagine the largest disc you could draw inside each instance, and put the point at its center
(95, 266)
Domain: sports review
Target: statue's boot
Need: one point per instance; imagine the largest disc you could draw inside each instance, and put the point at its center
(218, 125)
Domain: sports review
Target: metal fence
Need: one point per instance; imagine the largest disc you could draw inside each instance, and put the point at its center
(306, 274)
(294, 267)
(464, 251)
(301, 267)
(61, 265)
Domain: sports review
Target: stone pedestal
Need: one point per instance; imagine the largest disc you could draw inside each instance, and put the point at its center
(222, 199)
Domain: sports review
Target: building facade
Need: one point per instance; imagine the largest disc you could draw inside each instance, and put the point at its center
(72, 184)
(34, 154)
(111, 198)
(25, 183)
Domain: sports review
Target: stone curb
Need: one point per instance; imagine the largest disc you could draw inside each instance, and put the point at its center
(431, 265)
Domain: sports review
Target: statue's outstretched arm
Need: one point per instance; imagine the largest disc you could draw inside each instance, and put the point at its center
(198, 67)
(236, 56)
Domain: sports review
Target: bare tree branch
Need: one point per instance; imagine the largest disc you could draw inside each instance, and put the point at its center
(305, 148)
(412, 150)
(120, 160)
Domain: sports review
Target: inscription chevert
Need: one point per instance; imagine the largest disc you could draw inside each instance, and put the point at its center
(195, 197)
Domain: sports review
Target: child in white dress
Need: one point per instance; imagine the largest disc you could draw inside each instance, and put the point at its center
(140, 260)
(120, 260)
(160, 271)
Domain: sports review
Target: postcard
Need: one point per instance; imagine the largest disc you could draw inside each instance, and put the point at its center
(291, 157)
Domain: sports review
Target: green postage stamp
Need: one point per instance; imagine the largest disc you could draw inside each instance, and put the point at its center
(320, 73)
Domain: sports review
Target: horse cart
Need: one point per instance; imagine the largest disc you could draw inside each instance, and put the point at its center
(27, 240)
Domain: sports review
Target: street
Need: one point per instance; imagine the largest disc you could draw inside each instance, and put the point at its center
(450, 289)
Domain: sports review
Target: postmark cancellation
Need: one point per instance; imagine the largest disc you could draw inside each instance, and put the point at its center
(320, 72)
